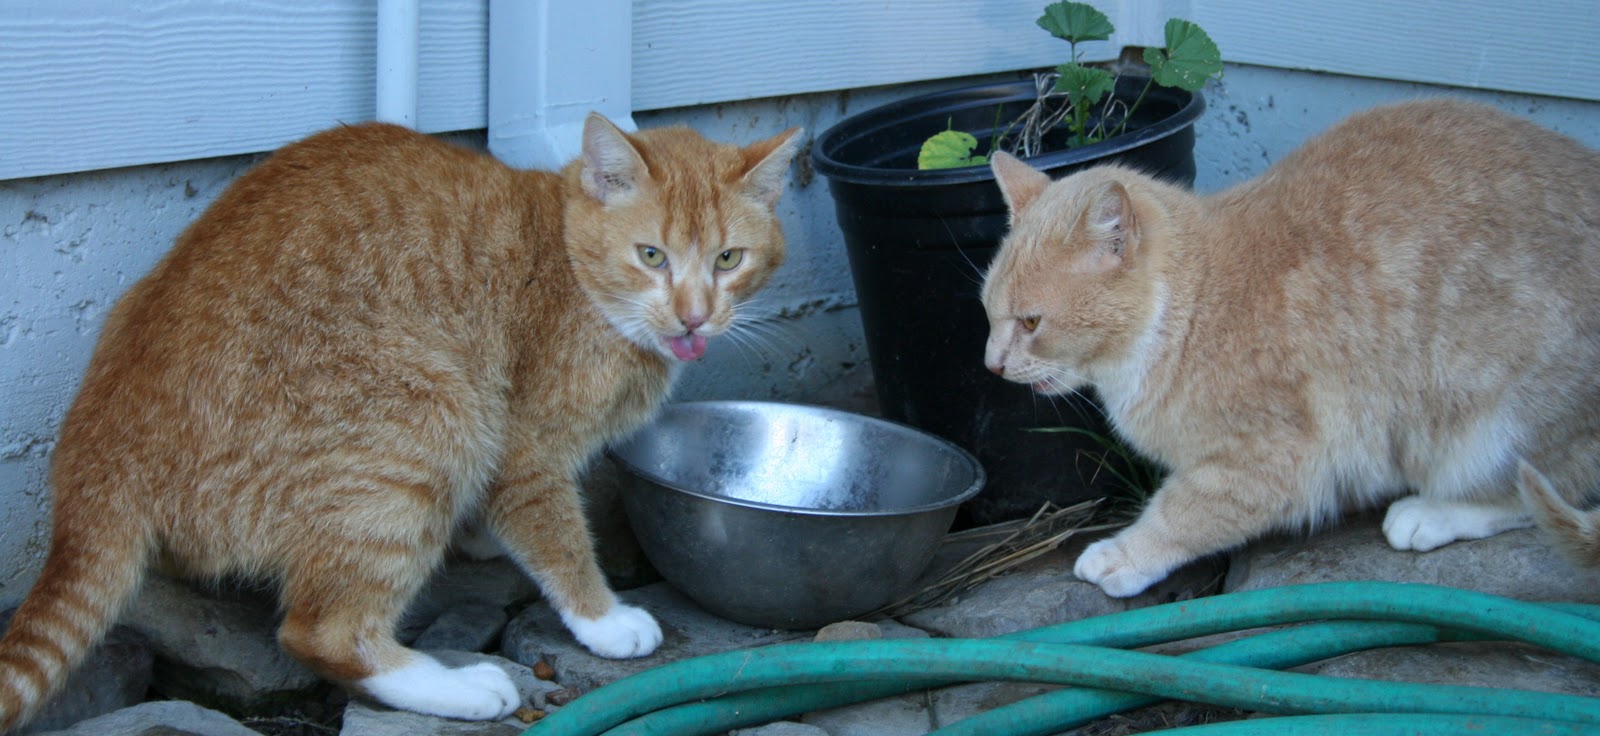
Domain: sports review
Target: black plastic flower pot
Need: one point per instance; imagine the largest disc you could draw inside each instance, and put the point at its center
(918, 243)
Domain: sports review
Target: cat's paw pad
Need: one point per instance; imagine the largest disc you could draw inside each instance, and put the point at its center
(479, 692)
(1107, 565)
(623, 632)
(1419, 524)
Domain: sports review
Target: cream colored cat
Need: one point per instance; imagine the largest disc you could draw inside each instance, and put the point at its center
(368, 339)
(1406, 305)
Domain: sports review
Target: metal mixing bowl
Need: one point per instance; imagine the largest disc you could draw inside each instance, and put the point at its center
(789, 516)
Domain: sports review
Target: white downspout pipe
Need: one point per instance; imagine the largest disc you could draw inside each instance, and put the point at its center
(399, 46)
(551, 62)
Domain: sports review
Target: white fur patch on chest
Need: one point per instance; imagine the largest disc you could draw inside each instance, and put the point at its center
(1120, 387)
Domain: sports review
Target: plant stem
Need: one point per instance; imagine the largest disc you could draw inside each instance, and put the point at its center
(1124, 125)
(1079, 116)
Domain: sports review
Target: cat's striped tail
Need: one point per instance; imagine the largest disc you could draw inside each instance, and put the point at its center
(1577, 531)
(83, 587)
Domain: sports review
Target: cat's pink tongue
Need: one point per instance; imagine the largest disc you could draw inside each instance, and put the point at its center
(687, 347)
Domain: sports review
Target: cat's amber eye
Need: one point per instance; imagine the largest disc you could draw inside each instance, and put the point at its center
(652, 256)
(730, 259)
(1030, 323)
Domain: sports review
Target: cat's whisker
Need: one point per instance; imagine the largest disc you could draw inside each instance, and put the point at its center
(752, 348)
(977, 275)
(769, 339)
(755, 310)
(627, 299)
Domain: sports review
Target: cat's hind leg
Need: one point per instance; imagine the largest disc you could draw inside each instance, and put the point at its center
(341, 606)
(1472, 493)
(1421, 523)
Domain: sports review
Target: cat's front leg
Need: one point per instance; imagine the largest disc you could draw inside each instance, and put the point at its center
(1120, 567)
(1195, 513)
(538, 516)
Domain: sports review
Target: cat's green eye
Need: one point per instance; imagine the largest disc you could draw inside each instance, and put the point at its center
(1030, 323)
(652, 256)
(730, 259)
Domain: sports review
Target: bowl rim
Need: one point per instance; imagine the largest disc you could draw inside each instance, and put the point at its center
(979, 476)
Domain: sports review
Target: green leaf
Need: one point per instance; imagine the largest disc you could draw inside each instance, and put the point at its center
(1075, 22)
(1084, 85)
(1189, 59)
(948, 150)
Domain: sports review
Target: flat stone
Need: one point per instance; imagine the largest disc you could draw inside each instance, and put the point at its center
(893, 629)
(1518, 564)
(491, 583)
(849, 631)
(218, 649)
(904, 715)
(166, 717)
(920, 712)
(364, 721)
(363, 718)
(952, 704)
(1504, 665)
(537, 633)
(114, 674)
(780, 728)
(470, 626)
(1044, 592)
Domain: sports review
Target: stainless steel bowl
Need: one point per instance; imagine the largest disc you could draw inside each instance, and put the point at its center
(789, 516)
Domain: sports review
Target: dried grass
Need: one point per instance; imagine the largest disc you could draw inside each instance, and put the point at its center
(1017, 542)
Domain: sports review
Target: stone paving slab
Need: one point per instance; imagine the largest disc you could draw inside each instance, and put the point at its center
(537, 634)
(1518, 564)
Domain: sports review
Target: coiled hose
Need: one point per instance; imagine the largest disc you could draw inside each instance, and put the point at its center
(717, 692)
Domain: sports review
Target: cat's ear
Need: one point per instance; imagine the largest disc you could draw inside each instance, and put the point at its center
(1019, 182)
(612, 167)
(1111, 221)
(767, 164)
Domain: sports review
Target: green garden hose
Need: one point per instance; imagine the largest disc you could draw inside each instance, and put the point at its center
(1386, 724)
(1043, 714)
(784, 679)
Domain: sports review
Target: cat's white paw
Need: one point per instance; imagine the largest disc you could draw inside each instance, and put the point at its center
(1420, 524)
(480, 692)
(1107, 565)
(622, 633)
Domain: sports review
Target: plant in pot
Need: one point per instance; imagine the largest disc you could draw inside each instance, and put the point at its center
(919, 238)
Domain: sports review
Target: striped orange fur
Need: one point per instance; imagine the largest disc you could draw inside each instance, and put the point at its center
(367, 339)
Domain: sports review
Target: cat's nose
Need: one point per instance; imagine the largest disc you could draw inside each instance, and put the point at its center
(998, 369)
(691, 322)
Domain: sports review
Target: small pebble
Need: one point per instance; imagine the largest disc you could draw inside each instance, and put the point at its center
(528, 715)
(563, 696)
(849, 631)
(543, 671)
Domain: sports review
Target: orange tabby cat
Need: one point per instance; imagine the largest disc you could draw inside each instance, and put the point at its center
(365, 340)
(1410, 302)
